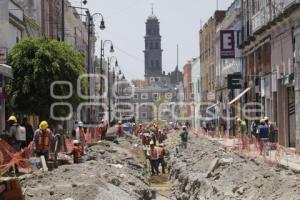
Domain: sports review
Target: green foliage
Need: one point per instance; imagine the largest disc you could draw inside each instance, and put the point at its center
(37, 63)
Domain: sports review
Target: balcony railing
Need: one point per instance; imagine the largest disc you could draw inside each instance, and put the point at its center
(260, 19)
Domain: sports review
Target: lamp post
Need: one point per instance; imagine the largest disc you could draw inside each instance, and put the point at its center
(109, 59)
(103, 43)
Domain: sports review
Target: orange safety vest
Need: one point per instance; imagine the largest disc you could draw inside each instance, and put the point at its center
(43, 140)
(119, 129)
(161, 152)
(153, 153)
(77, 154)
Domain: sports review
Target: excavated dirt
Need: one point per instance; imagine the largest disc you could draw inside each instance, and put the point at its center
(206, 170)
(113, 172)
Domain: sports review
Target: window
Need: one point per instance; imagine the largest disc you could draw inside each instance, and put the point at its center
(144, 96)
(151, 45)
(136, 96)
(156, 45)
(144, 115)
(152, 63)
(157, 63)
(155, 96)
(168, 95)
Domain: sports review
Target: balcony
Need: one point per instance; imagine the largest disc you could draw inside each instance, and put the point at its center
(261, 19)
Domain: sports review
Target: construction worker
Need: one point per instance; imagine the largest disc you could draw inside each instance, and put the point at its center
(184, 137)
(263, 133)
(152, 154)
(161, 155)
(80, 134)
(119, 130)
(103, 129)
(77, 152)
(272, 130)
(43, 139)
(12, 133)
(244, 133)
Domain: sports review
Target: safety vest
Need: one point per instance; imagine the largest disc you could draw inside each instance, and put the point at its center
(153, 154)
(43, 140)
(161, 152)
(119, 129)
(77, 154)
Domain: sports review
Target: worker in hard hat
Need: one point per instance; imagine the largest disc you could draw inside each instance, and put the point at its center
(243, 133)
(80, 134)
(119, 130)
(161, 157)
(263, 134)
(43, 139)
(152, 154)
(77, 152)
(12, 127)
(184, 137)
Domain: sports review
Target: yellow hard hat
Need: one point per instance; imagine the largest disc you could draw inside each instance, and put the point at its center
(12, 118)
(238, 120)
(151, 142)
(262, 121)
(43, 125)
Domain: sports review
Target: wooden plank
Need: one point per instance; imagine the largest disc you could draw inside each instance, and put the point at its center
(44, 164)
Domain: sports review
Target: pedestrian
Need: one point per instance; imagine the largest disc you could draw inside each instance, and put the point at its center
(152, 154)
(184, 137)
(80, 134)
(29, 131)
(76, 152)
(263, 132)
(161, 157)
(43, 139)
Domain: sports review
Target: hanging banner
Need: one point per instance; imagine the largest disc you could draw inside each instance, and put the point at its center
(227, 44)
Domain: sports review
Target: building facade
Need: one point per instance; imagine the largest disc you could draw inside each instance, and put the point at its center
(207, 56)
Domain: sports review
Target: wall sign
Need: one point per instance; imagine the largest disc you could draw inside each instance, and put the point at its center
(227, 44)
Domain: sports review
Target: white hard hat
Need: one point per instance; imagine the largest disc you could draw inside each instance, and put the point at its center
(76, 142)
(266, 118)
(161, 144)
(80, 124)
(183, 126)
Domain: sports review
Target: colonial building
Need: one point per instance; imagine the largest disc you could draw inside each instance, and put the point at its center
(207, 56)
(271, 62)
(154, 97)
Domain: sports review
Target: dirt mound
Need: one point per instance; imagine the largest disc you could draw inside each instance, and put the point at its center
(206, 170)
(112, 172)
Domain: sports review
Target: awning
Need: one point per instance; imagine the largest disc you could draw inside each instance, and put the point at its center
(6, 70)
(239, 96)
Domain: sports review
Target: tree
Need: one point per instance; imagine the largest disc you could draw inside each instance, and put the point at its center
(36, 64)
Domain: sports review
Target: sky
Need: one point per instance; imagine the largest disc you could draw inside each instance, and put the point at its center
(180, 22)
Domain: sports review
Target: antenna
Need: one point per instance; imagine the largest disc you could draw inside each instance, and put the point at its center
(177, 56)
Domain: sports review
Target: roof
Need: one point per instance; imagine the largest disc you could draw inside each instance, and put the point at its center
(152, 17)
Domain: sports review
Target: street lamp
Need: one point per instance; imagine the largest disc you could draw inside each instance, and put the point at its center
(109, 59)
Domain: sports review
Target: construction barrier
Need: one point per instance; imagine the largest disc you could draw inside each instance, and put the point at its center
(9, 158)
(271, 153)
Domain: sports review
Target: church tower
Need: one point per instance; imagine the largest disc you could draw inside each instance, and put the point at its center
(153, 51)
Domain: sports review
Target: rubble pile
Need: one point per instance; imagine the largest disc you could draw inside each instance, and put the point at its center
(110, 172)
(207, 170)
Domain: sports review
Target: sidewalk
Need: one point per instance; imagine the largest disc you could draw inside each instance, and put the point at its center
(285, 157)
